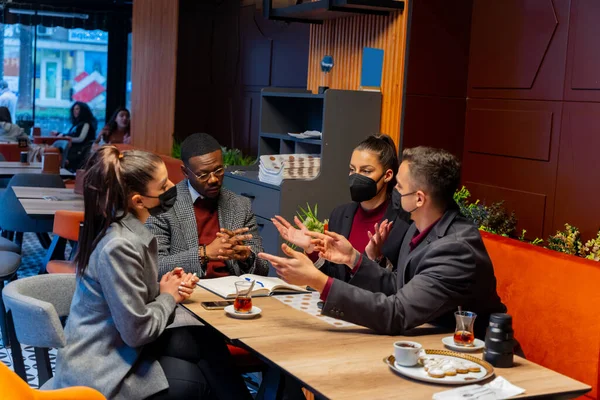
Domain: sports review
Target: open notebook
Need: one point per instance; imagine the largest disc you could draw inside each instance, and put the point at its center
(265, 286)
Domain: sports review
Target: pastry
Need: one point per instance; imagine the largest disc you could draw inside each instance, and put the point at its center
(436, 373)
(462, 368)
(449, 369)
(474, 368)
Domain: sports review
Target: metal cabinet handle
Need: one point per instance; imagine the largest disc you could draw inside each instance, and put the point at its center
(248, 195)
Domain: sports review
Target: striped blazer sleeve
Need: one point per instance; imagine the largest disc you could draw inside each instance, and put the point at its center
(161, 228)
(236, 212)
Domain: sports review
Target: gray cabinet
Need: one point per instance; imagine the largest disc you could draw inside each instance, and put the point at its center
(344, 117)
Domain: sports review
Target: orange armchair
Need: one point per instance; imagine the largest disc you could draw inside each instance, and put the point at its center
(12, 151)
(173, 164)
(15, 388)
(66, 226)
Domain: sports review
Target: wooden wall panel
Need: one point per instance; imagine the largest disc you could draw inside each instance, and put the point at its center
(513, 133)
(583, 65)
(434, 121)
(345, 39)
(438, 59)
(153, 72)
(518, 49)
(577, 188)
(228, 54)
(510, 171)
(437, 70)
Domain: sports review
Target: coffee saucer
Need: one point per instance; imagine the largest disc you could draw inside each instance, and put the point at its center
(449, 343)
(234, 314)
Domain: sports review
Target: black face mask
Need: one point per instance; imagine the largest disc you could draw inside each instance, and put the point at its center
(363, 188)
(397, 201)
(166, 199)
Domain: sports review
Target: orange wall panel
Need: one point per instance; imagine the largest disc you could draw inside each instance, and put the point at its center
(154, 58)
(345, 39)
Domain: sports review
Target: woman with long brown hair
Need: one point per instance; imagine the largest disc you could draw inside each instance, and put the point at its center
(117, 130)
(116, 335)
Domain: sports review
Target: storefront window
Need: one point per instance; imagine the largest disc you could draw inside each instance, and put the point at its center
(73, 67)
(46, 76)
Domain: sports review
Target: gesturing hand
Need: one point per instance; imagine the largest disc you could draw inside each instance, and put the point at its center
(333, 247)
(297, 270)
(293, 235)
(378, 239)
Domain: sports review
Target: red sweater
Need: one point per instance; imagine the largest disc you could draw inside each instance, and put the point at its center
(365, 221)
(207, 223)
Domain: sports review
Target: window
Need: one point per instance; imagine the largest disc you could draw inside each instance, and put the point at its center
(18, 71)
(49, 68)
(128, 86)
(72, 65)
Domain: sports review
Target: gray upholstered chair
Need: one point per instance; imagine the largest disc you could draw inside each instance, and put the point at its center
(17, 220)
(9, 264)
(34, 307)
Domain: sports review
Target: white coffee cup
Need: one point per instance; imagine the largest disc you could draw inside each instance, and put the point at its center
(407, 353)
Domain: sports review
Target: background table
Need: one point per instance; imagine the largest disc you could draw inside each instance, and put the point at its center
(10, 168)
(348, 362)
(32, 200)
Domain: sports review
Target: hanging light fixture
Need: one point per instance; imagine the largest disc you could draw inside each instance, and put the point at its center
(48, 13)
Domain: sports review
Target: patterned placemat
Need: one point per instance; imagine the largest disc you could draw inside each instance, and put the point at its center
(308, 303)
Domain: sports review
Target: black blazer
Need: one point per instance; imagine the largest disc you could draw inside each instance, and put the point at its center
(340, 222)
(450, 268)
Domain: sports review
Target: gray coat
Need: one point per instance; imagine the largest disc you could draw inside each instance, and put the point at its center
(177, 233)
(116, 310)
(450, 267)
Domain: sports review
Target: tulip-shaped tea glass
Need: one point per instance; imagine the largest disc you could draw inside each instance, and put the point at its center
(243, 298)
(464, 333)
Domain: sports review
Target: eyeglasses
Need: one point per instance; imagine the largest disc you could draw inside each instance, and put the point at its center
(219, 172)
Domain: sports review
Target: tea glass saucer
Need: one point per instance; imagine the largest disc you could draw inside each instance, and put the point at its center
(234, 314)
(449, 343)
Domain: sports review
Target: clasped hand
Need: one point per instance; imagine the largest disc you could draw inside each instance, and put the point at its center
(229, 245)
(178, 284)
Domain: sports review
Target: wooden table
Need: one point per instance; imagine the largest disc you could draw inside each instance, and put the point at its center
(347, 363)
(33, 201)
(10, 168)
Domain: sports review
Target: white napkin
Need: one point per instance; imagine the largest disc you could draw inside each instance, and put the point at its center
(497, 389)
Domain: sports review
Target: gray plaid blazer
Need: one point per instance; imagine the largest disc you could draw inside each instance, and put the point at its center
(177, 233)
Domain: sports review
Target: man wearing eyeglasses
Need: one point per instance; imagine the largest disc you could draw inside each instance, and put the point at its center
(209, 230)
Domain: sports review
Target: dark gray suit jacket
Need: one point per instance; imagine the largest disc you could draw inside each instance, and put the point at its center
(450, 268)
(177, 233)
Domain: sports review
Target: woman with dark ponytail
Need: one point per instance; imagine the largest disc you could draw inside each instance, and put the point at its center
(116, 335)
(371, 219)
